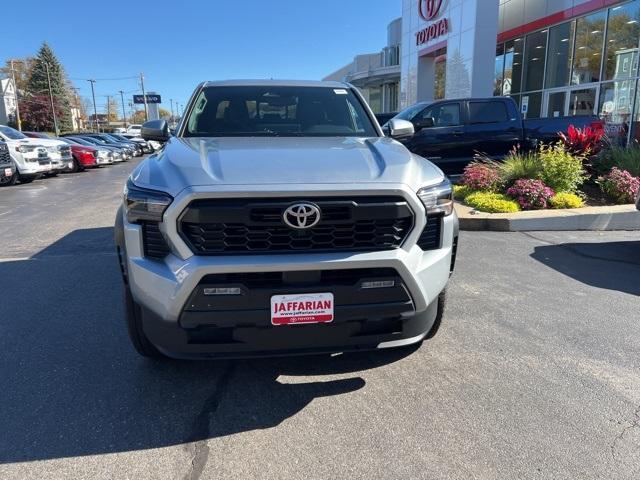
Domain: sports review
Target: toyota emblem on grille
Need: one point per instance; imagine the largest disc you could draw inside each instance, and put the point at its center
(301, 216)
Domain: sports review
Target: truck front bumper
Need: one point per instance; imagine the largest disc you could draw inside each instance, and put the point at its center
(178, 320)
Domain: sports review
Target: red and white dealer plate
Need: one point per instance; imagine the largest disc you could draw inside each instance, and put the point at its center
(8, 172)
(302, 308)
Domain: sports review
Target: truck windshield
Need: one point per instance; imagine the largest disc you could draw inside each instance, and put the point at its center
(278, 111)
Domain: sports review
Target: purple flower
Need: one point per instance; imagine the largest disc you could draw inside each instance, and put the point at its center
(531, 194)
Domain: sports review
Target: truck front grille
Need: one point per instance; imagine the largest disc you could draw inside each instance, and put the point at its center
(250, 226)
(4, 154)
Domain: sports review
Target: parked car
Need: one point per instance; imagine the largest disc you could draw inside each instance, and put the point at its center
(451, 132)
(126, 152)
(106, 155)
(244, 233)
(84, 157)
(134, 129)
(29, 156)
(136, 150)
(146, 146)
(7, 168)
(59, 152)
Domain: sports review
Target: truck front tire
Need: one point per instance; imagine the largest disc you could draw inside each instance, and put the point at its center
(137, 336)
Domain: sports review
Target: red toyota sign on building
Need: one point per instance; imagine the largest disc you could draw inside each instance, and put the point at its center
(430, 10)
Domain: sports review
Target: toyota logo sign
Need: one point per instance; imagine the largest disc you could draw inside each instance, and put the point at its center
(301, 216)
(429, 9)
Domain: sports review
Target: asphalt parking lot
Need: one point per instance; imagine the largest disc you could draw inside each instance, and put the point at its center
(535, 373)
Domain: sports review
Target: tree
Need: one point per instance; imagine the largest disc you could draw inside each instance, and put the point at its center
(138, 116)
(38, 86)
(164, 113)
(35, 113)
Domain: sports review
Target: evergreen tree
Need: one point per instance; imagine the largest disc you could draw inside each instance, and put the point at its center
(38, 86)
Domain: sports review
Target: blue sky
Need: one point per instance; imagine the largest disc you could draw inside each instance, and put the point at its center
(185, 42)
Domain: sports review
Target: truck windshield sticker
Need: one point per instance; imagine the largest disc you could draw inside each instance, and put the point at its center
(340, 91)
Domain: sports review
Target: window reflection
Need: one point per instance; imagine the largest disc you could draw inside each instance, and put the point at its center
(589, 45)
(535, 52)
(513, 59)
(498, 74)
(623, 31)
(559, 56)
(616, 107)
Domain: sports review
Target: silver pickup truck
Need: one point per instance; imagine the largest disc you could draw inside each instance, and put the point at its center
(280, 220)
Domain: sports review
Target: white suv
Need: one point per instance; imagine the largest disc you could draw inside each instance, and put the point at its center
(30, 156)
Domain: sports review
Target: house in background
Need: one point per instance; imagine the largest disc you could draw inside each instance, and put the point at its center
(7, 101)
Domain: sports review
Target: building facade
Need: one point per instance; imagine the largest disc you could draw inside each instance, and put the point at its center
(377, 75)
(554, 57)
(7, 102)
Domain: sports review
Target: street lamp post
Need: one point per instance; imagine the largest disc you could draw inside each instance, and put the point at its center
(95, 109)
(124, 113)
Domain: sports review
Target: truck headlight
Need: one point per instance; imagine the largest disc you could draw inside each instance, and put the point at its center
(144, 205)
(438, 199)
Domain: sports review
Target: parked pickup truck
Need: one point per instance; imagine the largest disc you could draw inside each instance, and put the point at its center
(451, 132)
(280, 220)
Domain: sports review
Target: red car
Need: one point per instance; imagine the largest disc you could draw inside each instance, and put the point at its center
(83, 157)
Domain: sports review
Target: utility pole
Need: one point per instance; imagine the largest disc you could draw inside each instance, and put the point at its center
(53, 109)
(15, 87)
(108, 110)
(144, 96)
(172, 117)
(124, 113)
(95, 109)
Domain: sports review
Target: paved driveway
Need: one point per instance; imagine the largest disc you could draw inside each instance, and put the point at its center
(535, 373)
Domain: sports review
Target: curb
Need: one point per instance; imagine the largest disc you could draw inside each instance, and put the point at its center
(617, 217)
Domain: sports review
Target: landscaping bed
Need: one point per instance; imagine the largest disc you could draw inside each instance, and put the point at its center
(581, 170)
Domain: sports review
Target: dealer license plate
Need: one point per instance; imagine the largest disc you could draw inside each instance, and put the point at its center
(7, 172)
(302, 308)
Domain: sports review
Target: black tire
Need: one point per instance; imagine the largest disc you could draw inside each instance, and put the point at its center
(76, 167)
(8, 181)
(24, 179)
(134, 326)
(442, 302)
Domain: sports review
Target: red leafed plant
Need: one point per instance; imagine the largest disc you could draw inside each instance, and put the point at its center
(585, 141)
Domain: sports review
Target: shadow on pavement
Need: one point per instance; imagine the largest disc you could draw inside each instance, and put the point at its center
(72, 384)
(608, 265)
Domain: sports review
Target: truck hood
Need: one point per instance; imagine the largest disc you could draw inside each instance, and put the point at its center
(220, 162)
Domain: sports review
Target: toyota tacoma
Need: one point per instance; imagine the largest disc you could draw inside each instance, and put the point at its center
(280, 220)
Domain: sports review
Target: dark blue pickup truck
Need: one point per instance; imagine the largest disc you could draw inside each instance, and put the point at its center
(450, 132)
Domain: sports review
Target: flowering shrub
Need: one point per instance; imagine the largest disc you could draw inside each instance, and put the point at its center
(531, 194)
(481, 175)
(566, 200)
(561, 170)
(460, 192)
(585, 141)
(620, 185)
(491, 202)
(520, 164)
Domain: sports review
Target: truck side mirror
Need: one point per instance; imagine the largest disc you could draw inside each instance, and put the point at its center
(427, 122)
(400, 128)
(156, 130)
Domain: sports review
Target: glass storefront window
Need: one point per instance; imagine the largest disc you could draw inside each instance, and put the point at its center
(582, 102)
(375, 99)
(588, 52)
(616, 108)
(556, 104)
(535, 53)
(533, 101)
(559, 56)
(623, 32)
(498, 74)
(513, 59)
(440, 80)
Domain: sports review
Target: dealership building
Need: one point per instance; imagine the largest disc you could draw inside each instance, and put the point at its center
(553, 57)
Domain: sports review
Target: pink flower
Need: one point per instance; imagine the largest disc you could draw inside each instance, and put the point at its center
(531, 194)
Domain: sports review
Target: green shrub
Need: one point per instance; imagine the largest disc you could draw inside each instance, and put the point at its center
(624, 158)
(519, 165)
(566, 200)
(561, 171)
(491, 202)
(460, 192)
